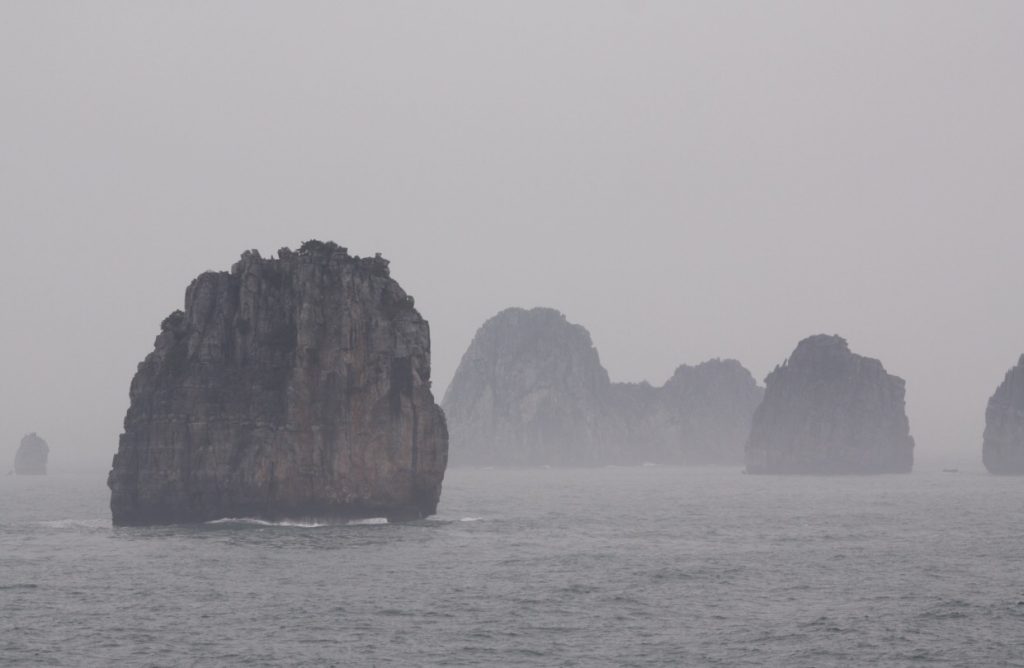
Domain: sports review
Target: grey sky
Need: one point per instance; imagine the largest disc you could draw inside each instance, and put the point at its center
(685, 179)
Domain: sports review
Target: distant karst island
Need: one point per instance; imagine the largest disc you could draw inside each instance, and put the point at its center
(289, 387)
(1003, 442)
(531, 391)
(827, 410)
(30, 459)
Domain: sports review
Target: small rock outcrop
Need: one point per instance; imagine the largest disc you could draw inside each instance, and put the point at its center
(30, 459)
(293, 387)
(531, 391)
(827, 410)
(1003, 447)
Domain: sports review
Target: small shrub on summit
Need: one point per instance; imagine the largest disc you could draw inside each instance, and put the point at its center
(317, 246)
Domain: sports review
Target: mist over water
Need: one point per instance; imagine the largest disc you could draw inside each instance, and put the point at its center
(589, 567)
(689, 180)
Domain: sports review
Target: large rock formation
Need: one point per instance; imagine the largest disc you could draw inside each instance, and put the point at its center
(30, 459)
(1003, 447)
(531, 390)
(289, 387)
(708, 409)
(829, 411)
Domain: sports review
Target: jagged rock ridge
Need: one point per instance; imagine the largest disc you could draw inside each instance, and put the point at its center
(531, 390)
(1003, 446)
(289, 387)
(30, 459)
(827, 410)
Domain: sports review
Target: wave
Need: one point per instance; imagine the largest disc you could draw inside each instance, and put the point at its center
(77, 524)
(267, 523)
(471, 519)
(295, 523)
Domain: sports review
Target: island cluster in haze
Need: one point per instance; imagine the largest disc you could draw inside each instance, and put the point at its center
(299, 386)
(531, 391)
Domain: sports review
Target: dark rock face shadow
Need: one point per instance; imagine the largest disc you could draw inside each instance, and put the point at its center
(1003, 446)
(31, 457)
(289, 387)
(827, 410)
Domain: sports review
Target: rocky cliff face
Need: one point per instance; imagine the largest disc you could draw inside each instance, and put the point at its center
(30, 459)
(700, 416)
(711, 406)
(288, 387)
(827, 410)
(1003, 447)
(531, 391)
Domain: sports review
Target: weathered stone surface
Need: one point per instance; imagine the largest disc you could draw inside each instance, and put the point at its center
(1003, 447)
(289, 387)
(700, 416)
(827, 410)
(30, 459)
(531, 391)
(709, 407)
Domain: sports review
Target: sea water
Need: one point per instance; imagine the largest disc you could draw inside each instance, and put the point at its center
(641, 566)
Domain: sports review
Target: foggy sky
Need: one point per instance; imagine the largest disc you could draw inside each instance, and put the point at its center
(686, 179)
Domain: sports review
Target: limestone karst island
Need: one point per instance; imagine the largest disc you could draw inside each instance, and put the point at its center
(30, 459)
(289, 387)
(531, 391)
(827, 410)
(1003, 442)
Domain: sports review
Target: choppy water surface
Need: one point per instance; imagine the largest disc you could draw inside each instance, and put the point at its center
(616, 566)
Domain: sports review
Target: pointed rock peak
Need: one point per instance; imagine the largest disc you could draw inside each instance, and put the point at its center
(536, 329)
(820, 345)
